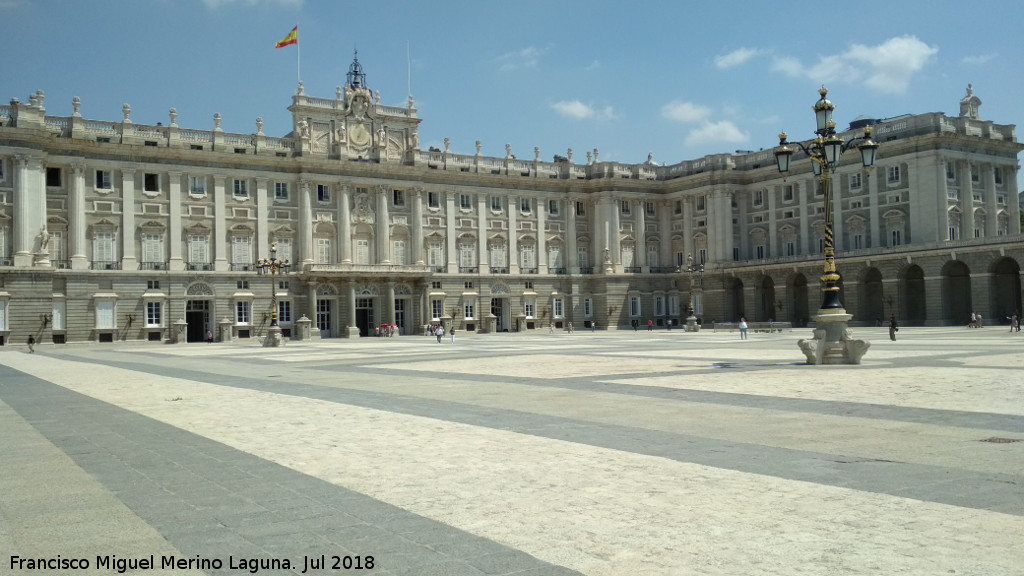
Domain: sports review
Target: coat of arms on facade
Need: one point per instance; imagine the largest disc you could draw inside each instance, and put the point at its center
(363, 212)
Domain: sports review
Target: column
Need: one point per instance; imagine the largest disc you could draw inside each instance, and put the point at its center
(76, 218)
(665, 209)
(220, 233)
(262, 219)
(571, 261)
(991, 207)
(383, 226)
(350, 312)
(688, 249)
(450, 232)
(1012, 200)
(389, 305)
(615, 230)
(482, 257)
(417, 226)
(305, 243)
(176, 262)
(344, 224)
(966, 204)
(128, 259)
(801, 189)
(875, 223)
(26, 180)
(714, 228)
(542, 231)
(640, 258)
(513, 235)
(773, 228)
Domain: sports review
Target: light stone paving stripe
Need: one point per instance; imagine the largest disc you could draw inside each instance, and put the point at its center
(599, 511)
(50, 507)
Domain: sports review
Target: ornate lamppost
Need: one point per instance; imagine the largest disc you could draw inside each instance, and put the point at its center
(832, 343)
(273, 266)
(693, 268)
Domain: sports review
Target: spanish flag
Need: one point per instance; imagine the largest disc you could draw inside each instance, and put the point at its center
(291, 38)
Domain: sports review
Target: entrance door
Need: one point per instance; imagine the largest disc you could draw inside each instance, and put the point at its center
(323, 317)
(400, 316)
(499, 308)
(197, 315)
(364, 316)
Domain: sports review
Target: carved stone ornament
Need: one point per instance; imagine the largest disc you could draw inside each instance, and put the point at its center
(363, 212)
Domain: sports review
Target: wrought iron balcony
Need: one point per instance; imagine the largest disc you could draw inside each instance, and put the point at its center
(153, 266)
(105, 265)
(204, 266)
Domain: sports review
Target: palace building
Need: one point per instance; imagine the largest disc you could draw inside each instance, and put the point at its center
(113, 231)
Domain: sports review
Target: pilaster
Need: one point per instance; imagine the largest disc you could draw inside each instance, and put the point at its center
(345, 224)
(450, 233)
(542, 230)
(76, 218)
(383, 226)
(417, 225)
(176, 263)
(129, 261)
(220, 232)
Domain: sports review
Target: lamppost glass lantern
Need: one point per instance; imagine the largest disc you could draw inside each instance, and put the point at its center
(273, 266)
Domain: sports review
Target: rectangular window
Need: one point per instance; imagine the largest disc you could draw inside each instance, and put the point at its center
(634, 306)
(975, 175)
(702, 255)
(790, 248)
(557, 308)
(581, 209)
(998, 174)
(819, 188)
(525, 206)
(241, 250)
(436, 309)
(468, 309)
(893, 175)
(701, 203)
(198, 249)
(323, 251)
(625, 207)
(465, 202)
(151, 182)
(280, 190)
(527, 258)
(553, 207)
(496, 203)
(855, 181)
(323, 193)
(58, 318)
(858, 241)
(103, 247)
(103, 178)
(432, 200)
(529, 308)
(758, 197)
(153, 314)
(588, 307)
(679, 207)
(398, 197)
(952, 233)
(152, 248)
(787, 193)
(895, 237)
(467, 255)
(3, 315)
(241, 188)
(242, 312)
(105, 315)
(735, 253)
(53, 177)
(950, 171)
(659, 305)
(759, 251)
(398, 256)
(649, 208)
(197, 185)
(284, 312)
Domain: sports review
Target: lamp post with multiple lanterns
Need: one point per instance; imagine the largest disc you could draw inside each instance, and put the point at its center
(831, 343)
(692, 268)
(274, 267)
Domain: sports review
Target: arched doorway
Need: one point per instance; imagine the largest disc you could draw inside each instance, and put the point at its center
(956, 293)
(765, 300)
(910, 307)
(1004, 289)
(872, 301)
(799, 312)
(734, 308)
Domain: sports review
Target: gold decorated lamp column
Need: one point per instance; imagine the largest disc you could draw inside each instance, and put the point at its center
(273, 266)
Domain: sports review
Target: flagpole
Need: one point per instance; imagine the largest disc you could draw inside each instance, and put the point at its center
(298, 52)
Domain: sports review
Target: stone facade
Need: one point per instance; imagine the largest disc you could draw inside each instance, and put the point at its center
(116, 231)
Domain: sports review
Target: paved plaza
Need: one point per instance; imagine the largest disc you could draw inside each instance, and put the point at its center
(604, 454)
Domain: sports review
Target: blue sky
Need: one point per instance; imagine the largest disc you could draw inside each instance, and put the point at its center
(677, 79)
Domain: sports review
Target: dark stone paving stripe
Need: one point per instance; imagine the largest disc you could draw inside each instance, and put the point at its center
(211, 500)
(947, 485)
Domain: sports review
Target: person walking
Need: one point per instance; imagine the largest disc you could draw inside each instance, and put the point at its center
(31, 344)
(593, 326)
(650, 325)
(743, 328)
(451, 332)
(893, 328)
(439, 333)
(209, 336)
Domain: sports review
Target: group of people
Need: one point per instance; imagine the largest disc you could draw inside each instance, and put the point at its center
(439, 331)
(387, 330)
(975, 321)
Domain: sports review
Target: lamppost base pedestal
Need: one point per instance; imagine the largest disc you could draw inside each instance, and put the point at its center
(833, 343)
(691, 324)
(273, 339)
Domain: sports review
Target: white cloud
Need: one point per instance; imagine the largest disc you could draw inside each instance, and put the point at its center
(685, 111)
(886, 67)
(978, 60)
(524, 58)
(580, 111)
(723, 132)
(595, 65)
(735, 58)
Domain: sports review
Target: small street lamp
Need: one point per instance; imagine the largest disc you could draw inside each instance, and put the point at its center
(693, 268)
(274, 267)
(830, 344)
